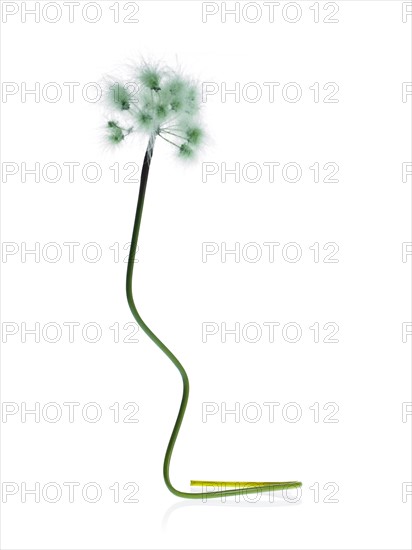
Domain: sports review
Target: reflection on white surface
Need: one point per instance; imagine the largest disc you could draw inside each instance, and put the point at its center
(275, 501)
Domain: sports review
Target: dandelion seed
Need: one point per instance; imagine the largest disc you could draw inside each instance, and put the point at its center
(150, 77)
(145, 120)
(115, 134)
(186, 151)
(120, 97)
(194, 135)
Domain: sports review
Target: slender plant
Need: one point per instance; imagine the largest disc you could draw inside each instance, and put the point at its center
(163, 103)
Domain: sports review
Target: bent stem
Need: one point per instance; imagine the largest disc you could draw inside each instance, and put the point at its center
(242, 488)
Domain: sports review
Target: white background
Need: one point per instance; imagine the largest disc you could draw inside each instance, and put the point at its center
(367, 213)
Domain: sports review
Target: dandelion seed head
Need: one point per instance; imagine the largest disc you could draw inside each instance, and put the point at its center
(166, 104)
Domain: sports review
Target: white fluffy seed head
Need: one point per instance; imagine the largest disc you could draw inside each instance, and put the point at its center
(161, 102)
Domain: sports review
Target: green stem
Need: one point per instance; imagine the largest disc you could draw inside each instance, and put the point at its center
(264, 486)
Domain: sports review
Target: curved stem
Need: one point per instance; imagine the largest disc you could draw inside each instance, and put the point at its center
(242, 487)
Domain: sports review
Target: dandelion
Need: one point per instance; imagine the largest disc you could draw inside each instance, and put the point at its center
(167, 106)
